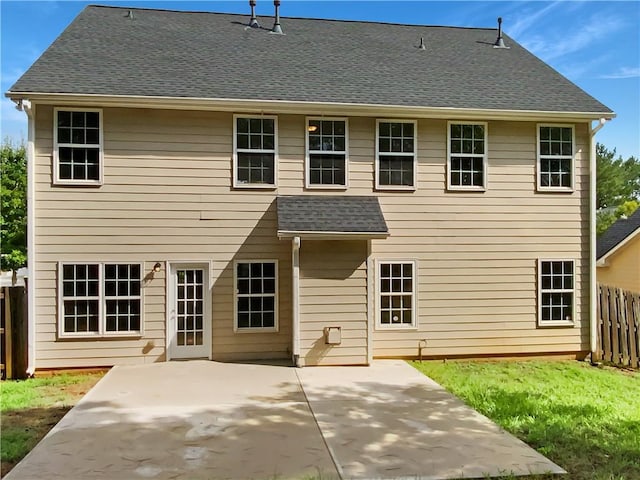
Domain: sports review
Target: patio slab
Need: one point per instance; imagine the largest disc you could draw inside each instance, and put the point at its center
(202, 419)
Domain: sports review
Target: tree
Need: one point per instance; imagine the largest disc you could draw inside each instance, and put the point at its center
(618, 180)
(13, 205)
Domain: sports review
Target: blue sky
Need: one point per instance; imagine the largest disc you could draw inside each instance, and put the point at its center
(595, 44)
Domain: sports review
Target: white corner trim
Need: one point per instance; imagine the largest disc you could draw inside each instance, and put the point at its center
(30, 109)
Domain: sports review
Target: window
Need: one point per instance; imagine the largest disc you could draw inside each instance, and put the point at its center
(256, 295)
(467, 156)
(396, 303)
(396, 152)
(555, 157)
(255, 151)
(556, 291)
(100, 299)
(77, 147)
(326, 152)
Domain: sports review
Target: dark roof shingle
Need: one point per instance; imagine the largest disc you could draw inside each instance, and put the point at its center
(214, 56)
(617, 233)
(330, 214)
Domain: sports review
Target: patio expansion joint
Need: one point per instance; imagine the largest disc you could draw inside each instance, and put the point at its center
(332, 454)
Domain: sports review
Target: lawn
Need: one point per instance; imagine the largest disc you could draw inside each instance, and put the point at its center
(30, 408)
(586, 419)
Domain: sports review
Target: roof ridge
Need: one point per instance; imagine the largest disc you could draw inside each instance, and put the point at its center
(368, 22)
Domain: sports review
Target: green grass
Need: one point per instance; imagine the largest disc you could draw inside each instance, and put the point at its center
(30, 408)
(585, 419)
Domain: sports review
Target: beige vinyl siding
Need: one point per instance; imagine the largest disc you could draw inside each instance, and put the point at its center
(167, 196)
(622, 268)
(333, 293)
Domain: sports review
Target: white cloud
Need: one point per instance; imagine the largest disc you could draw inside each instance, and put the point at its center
(528, 19)
(624, 72)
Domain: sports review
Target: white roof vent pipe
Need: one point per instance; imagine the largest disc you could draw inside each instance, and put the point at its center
(253, 21)
(499, 41)
(277, 29)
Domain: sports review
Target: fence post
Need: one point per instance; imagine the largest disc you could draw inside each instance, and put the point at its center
(19, 334)
(633, 331)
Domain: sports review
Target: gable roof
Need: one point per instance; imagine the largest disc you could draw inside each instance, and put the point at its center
(303, 215)
(160, 53)
(617, 234)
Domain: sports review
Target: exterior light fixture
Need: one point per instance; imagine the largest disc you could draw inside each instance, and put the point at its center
(157, 267)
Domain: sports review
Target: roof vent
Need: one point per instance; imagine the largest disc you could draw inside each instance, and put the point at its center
(499, 41)
(276, 25)
(253, 21)
(422, 46)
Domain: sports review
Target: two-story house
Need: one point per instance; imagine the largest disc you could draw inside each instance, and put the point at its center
(326, 191)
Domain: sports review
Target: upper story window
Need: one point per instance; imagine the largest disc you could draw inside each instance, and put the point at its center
(255, 150)
(556, 290)
(327, 153)
(77, 137)
(555, 157)
(100, 299)
(396, 154)
(467, 163)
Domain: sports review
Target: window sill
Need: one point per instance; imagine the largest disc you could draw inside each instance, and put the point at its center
(98, 336)
(255, 330)
(326, 187)
(395, 188)
(254, 186)
(555, 189)
(383, 328)
(77, 183)
(466, 189)
(556, 323)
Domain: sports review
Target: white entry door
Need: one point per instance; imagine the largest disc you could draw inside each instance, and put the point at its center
(189, 315)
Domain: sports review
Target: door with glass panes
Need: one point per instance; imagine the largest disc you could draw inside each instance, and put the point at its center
(189, 325)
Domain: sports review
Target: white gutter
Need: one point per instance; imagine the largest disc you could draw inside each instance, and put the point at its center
(593, 284)
(301, 107)
(29, 108)
(295, 287)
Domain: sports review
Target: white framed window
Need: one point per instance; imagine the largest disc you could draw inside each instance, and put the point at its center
(556, 292)
(396, 154)
(556, 147)
(77, 146)
(467, 156)
(396, 294)
(99, 299)
(327, 144)
(255, 151)
(256, 292)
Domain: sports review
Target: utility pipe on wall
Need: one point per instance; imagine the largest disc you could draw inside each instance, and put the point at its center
(295, 287)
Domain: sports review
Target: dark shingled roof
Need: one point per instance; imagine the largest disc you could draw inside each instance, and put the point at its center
(214, 56)
(326, 214)
(617, 233)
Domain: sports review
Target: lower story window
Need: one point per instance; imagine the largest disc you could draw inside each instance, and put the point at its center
(556, 298)
(100, 299)
(397, 294)
(256, 295)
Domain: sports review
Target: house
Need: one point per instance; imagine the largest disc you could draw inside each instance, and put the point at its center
(618, 254)
(333, 193)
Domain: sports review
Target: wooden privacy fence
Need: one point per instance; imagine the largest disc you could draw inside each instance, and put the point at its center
(13, 332)
(618, 326)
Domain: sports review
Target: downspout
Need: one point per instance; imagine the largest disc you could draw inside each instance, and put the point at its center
(29, 109)
(295, 287)
(593, 284)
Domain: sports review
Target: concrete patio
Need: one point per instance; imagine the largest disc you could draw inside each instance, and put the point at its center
(200, 419)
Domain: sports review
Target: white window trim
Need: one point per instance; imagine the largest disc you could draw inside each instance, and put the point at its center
(414, 296)
(102, 300)
(308, 152)
(556, 323)
(484, 156)
(571, 188)
(409, 188)
(56, 156)
(276, 323)
(263, 186)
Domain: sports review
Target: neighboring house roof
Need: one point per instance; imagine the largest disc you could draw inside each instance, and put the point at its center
(617, 234)
(160, 53)
(301, 215)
